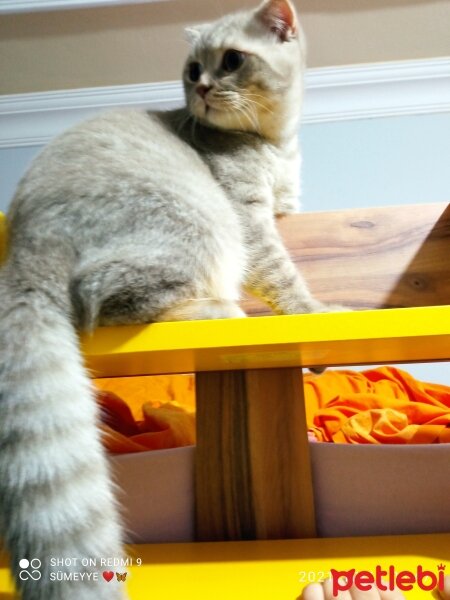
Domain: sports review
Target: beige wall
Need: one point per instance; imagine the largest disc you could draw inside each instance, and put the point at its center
(144, 43)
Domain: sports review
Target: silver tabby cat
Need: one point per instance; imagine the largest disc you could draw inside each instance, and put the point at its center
(136, 217)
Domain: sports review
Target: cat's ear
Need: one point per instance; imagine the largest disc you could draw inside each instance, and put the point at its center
(279, 17)
(193, 33)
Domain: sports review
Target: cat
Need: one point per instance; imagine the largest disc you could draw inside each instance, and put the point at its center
(136, 217)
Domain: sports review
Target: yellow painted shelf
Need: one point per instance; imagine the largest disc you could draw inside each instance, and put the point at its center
(364, 337)
(275, 570)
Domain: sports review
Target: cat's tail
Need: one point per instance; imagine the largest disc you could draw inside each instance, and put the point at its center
(58, 518)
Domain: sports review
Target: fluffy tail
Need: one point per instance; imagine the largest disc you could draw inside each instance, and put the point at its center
(57, 513)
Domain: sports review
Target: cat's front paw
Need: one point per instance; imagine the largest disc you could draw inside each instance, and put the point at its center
(287, 205)
(320, 307)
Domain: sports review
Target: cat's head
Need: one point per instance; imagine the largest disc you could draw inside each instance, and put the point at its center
(245, 71)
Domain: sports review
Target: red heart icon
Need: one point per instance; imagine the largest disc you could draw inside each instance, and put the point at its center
(108, 575)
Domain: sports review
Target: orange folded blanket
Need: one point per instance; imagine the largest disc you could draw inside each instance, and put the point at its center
(147, 413)
(377, 406)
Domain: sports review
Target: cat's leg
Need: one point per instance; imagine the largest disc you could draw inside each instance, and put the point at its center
(273, 276)
(113, 291)
(119, 292)
(221, 286)
(286, 205)
(202, 309)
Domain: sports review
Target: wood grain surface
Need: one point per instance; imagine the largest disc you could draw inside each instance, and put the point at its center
(253, 473)
(387, 257)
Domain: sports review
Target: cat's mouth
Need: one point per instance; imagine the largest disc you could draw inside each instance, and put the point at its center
(205, 107)
(207, 104)
(208, 113)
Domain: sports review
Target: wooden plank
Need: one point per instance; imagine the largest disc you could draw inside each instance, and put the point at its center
(389, 257)
(253, 473)
(279, 455)
(223, 487)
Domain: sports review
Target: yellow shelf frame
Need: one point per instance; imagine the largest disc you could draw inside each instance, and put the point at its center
(347, 338)
(264, 570)
(272, 570)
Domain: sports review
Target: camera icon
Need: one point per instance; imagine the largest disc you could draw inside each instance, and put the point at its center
(30, 569)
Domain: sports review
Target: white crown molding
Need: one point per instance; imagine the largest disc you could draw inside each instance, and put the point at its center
(332, 94)
(409, 87)
(34, 119)
(25, 6)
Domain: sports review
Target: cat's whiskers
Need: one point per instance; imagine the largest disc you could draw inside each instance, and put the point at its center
(238, 116)
(224, 96)
(245, 102)
(245, 110)
(235, 103)
(248, 96)
(251, 114)
(243, 93)
(228, 100)
(193, 126)
(224, 92)
(183, 122)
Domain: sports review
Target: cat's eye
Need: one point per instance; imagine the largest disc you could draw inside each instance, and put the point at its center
(195, 70)
(232, 60)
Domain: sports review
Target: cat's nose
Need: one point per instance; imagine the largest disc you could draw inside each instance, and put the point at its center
(202, 90)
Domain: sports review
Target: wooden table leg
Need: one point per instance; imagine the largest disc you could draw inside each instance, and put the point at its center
(253, 472)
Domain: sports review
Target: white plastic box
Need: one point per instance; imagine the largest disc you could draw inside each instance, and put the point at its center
(359, 490)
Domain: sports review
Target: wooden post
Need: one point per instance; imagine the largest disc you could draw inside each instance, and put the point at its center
(253, 473)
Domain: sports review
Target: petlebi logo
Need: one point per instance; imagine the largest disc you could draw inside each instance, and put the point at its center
(388, 579)
(30, 569)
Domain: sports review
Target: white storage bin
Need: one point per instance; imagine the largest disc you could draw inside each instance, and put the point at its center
(359, 490)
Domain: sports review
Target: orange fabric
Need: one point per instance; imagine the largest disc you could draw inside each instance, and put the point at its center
(147, 413)
(377, 406)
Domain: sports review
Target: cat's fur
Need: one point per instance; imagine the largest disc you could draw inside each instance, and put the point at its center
(129, 218)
